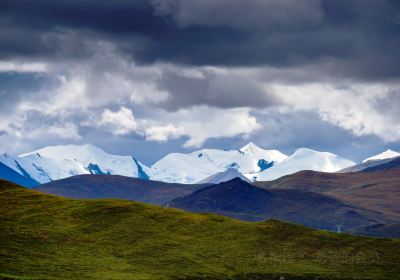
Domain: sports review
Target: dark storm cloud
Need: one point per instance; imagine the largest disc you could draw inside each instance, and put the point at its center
(224, 91)
(17, 86)
(49, 28)
(356, 39)
(253, 14)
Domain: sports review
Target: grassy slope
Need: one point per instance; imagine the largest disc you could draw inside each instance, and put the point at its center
(47, 237)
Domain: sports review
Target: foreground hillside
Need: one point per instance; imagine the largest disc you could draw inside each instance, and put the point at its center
(47, 237)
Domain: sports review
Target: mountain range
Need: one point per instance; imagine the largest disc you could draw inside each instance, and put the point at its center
(58, 162)
(108, 221)
(364, 202)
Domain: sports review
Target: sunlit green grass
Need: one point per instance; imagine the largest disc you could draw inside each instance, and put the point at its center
(47, 237)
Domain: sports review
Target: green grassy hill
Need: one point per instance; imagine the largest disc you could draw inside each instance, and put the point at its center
(47, 237)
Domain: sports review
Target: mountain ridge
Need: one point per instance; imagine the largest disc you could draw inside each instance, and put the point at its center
(241, 200)
(384, 155)
(57, 162)
(96, 186)
(305, 159)
(376, 190)
(224, 176)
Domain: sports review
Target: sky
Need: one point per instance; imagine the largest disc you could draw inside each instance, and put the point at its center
(151, 77)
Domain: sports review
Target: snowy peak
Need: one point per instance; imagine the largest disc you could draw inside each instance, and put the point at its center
(306, 153)
(42, 169)
(318, 161)
(305, 159)
(85, 159)
(224, 177)
(11, 162)
(75, 152)
(259, 153)
(250, 147)
(385, 155)
(45, 169)
(198, 165)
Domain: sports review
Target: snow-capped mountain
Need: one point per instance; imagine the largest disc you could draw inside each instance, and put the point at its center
(269, 156)
(91, 160)
(224, 177)
(25, 168)
(196, 166)
(11, 162)
(58, 162)
(379, 159)
(43, 169)
(385, 155)
(303, 159)
(11, 170)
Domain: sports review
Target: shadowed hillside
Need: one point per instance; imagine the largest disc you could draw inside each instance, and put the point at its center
(377, 190)
(48, 237)
(244, 201)
(392, 164)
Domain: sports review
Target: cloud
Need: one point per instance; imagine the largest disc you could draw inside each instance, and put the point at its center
(65, 131)
(30, 126)
(362, 109)
(104, 80)
(218, 87)
(203, 123)
(357, 39)
(12, 66)
(163, 133)
(119, 122)
(198, 124)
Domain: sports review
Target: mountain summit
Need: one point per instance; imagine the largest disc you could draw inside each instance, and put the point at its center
(58, 162)
(224, 177)
(267, 155)
(201, 164)
(95, 160)
(305, 159)
(384, 155)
